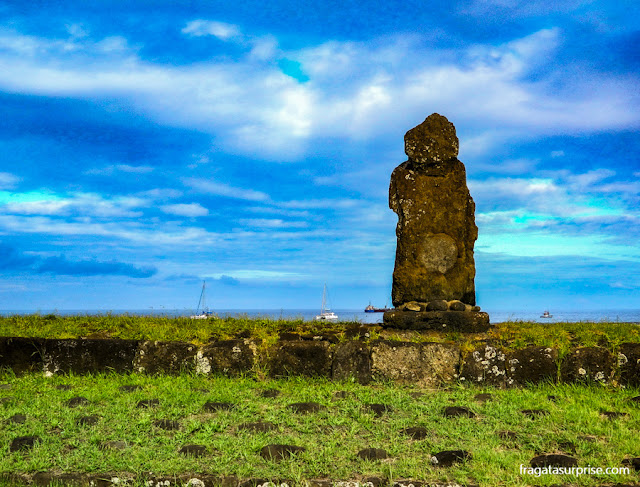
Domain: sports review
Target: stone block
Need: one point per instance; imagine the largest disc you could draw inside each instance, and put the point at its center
(307, 358)
(21, 354)
(629, 364)
(229, 357)
(352, 359)
(485, 365)
(421, 364)
(83, 356)
(157, 357)
(588, 364)
(532, 365)
(458, 321)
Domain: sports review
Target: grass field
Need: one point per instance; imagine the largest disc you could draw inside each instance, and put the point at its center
(500, 437)
(332, 436)
(562, 336)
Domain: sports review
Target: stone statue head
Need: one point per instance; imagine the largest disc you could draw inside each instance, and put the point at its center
(433, 141)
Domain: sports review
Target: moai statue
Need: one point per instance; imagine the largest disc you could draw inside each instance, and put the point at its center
(434, 269)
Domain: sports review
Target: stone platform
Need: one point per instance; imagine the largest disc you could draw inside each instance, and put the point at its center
(459, 321)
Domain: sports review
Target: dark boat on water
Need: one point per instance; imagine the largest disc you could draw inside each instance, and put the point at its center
(373, 309)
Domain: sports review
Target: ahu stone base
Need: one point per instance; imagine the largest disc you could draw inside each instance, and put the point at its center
(459, 321)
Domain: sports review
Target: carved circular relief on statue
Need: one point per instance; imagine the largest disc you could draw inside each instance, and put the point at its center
(439, 253)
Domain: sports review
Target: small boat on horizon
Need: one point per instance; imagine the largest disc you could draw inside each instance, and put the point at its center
(373, 309)
(325, 313)
(202, 312)
(546, 314)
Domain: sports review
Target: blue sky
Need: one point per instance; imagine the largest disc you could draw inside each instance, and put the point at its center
(149, 145)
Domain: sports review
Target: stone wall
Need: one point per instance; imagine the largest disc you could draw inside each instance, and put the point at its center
(427, 364)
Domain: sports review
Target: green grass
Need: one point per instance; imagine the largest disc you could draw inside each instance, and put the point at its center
(510, 335)
(332, 437)
(166, 328)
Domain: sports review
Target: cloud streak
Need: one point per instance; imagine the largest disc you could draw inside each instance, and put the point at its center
(11, 260)
(253, 107)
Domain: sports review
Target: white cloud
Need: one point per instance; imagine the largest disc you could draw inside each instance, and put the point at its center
(314, 204)
(159, 194)
(272, 223)
(585, 181)
(76, 204)
(221, 30)
(221, 189)
(183, 209)
(557, 153)
(134, 169)
(360, 90)
(8, 180)
(109, 170)
(256, 274)
(77, 30)
(279, 211)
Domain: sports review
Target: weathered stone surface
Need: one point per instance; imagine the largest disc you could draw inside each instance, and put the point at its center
(436, 228)
(270, 393)
(457, 306)
(59, 478)
(113, 445)
(532, 365)
(77, 401)
(588, 364)
(21, 354)
(229, 357)
(416, 432)
(461, 321)
(148, 403)
(280, 452)
(211, 406)
(82, 356)
(16, 419)
(167, 424)
(508, 435)
(88, 420)
(634, 463)
(629, 363)
(437, 305)
(484, 365)
(614, 414)
(458, 412)
(420, 364)
(555, 460)
(306, 407)
(433, 141)
(449, 457)
(483, 397)
(301, 358)
(23, 443)
(159, 357)
(193, 450)
(379, 409)
(373, 454)
(260, 426)
(352, 359)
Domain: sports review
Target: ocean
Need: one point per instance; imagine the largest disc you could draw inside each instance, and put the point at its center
(496, 316)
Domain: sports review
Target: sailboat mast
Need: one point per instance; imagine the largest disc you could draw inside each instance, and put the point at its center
(201, 302)
(324, 298)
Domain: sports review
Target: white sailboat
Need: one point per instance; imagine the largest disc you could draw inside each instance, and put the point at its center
(325, 313)
(202, 312)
